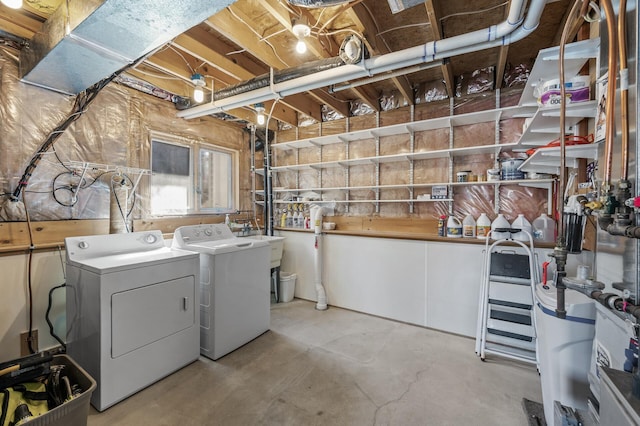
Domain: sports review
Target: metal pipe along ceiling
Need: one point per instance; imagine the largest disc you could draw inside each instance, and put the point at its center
(514, 28)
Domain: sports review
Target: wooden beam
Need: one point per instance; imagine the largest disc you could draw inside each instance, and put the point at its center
(237, 73)
(197, 48)
(436, 32)
(337, 105)
(501, 65)
(228, 26)
(237, 30)
(367, 26)
(502, 59)
(365, 93)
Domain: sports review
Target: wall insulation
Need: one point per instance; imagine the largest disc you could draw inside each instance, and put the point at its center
(514, 199)
(114, 131)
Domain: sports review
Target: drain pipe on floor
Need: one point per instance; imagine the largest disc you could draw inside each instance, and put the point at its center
(316, 217)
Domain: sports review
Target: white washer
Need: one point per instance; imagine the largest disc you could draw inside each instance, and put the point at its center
(235, 294)
(131, 311)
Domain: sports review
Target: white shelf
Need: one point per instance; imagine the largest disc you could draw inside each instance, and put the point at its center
(440, 153)
(545, 123)
(404, 128)
(547, 160)
(431, 200)
(546, 65)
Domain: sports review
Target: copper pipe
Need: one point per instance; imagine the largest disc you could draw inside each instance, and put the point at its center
(624, 88)
(610, 17)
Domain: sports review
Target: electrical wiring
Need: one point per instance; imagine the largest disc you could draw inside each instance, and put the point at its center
(177, 52)
(29, 279)
(124, 216)
(46, 316)
(275, 51)
(82, 102)
(473, 12)
(72, 188)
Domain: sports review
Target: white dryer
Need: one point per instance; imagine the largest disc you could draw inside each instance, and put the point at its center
(131, 311)
(235, 294)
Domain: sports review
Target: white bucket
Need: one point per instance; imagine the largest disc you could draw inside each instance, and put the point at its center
(287, 287)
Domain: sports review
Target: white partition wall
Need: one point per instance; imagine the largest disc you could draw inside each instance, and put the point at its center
(379, 276)
(428, 283)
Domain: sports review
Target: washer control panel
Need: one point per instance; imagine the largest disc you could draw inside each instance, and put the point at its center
(186, 235)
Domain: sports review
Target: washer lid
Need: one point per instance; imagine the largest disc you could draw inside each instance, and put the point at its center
(578, 306)
(226, 246)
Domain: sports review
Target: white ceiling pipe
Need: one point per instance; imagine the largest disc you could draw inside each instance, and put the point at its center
(278, 90)
(452, 46)
(379, 77)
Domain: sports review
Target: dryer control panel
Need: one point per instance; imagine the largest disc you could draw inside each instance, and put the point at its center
(196, 233)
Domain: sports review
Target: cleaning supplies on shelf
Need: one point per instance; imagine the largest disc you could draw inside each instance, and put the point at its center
(454, 227)
(483, 226)
(469, 227)
(501, 223)
(442, 226)
(544, 229)
(524, 227)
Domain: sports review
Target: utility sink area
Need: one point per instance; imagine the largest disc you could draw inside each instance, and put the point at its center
(276, 244)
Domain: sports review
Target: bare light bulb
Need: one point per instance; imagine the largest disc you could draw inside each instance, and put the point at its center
(198, 94)
(13, 4)
(301, 47)
(198, 91)
(260, 119)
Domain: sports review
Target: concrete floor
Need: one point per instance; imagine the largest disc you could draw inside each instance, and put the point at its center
(337, 367)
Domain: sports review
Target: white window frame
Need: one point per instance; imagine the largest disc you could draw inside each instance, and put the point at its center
(195, 179)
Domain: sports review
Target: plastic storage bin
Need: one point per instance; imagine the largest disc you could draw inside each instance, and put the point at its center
(287, 286)
(76, 411)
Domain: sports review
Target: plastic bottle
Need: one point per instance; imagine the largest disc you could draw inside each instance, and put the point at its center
(296, 218)
(454, 227)
(442, 226)
(500, 222)
(524, 225)
(289, 216)
(283, 219)
(469, 227)
(227, 221)
(483, 226)
(544, 229)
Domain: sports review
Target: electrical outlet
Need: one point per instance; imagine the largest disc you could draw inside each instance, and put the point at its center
(24, 342)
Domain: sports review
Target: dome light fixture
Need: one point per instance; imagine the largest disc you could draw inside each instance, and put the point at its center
(199, 83)
(13, 4)
(301, 30)
(260, 119)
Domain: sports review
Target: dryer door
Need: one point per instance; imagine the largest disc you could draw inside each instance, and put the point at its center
(147, 314)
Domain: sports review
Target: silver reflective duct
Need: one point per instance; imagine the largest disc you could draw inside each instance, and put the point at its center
(85, 41)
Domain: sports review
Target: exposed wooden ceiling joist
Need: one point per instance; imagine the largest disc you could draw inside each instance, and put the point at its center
(436, 33)
(367, 27)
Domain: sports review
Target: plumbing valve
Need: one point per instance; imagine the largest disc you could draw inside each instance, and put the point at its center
(633, 203)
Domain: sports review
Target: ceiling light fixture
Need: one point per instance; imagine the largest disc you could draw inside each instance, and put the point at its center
(13, 4)
(199, 83)
(260, 113)
(301, 30)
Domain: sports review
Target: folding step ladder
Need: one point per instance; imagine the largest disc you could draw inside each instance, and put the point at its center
(506, 314)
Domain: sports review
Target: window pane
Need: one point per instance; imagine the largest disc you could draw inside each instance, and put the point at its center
(171, 181)
(216, 183)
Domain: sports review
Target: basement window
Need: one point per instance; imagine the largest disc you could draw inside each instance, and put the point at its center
(191, 177)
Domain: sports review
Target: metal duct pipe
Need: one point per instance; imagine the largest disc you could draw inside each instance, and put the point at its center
(511, 30)
(83, 42)
(317, 3)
